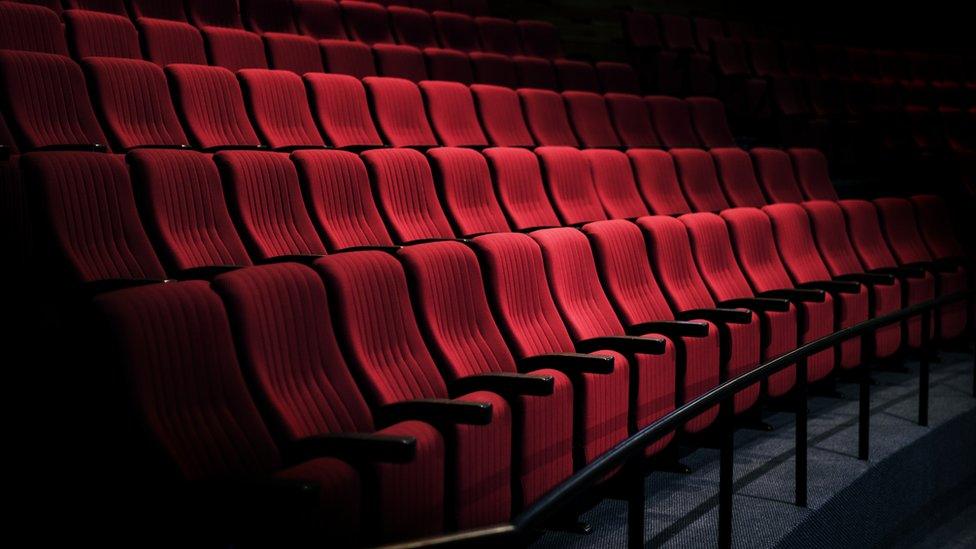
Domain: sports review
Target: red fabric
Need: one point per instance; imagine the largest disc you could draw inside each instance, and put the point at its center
(708, 115)
(494, 69)
(449, 65)
(657, 181)
(267, 16)
(116, 7)
(696, 169)
(618, 77)
(591, 120)
(775, 173)
(546, 117)
(210, 100)
(672, 121)
(340, 108)
(576, 75)
(399, 111)
(465, 188)
(499, 35)
(521, 193)
(159, 9)
(812, 174)
(501, 116)
(412, 27)
(367, 22)
(290, 52)
(279, 108)
(400, 61)
(169, 42)
(614, 182)
(632, 120)
(935, 225)
(404, 189)
(27, 27)
(540, 38)
(738, 177)
(234, 49)
(452, 114)
(217, 13)
(535, 72)
(676, 31)
(345, 57)
(95, 34)
(456, 31)
(570, 185)
(320, 19)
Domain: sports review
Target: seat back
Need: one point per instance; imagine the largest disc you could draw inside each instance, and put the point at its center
(399, 112)
(413, 27)
(341, 110)
(320, 19)
(794, 239)
(711, 125)
(615, 185)
(540, 38)
(714, 254)
(864, 228)
(404, 188)
(669, 249)
(935, 224)
(546, 117)
(775, 173)
(158, 9)
(672, 121)
(279, 108)
(570, 184)
(738, 178)
(501, 116)
(215, 13)
(755, 246)
(831, 234)
(456, 31)
(168, 42)
(268, 16)
(465, 187)
(657, 181)
(699, 181)
(591, 120)
(521, 192)
(210, 100)
(632, 120)
(96, 34)
(499, 35)
(367, 22)
(452, 114)
(27, 27)
(901, 229)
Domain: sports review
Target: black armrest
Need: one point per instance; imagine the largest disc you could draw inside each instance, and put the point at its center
(504, 383)
(568, 363)
(670, 328)
(205, 272)
(305, 259)
(834, 286)
(730, 316)
(623, 344)
(436, 410)
(901, 272)
(428, 240)
(759, 304)
(354, 447)
(82, 147)
(220, 148)
(387, 249)
(869, 279)
(111, 284)
(797, 295)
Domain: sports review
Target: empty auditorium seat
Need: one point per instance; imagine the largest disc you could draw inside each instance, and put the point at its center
(279, 108)
(340, 200)
(545, 115)
(706, 29)
(264, 193)
(470, 7)
(399, 112)
(346, 57)
(456, 31)
(935, 226)
(812, 174)
(404, 189)
(521, 192)
(699, 181)
(413, 27)
(212, 106)
(615, 185)
(86, 201)
(400, 61)
(96, 34)
(215, 13)
(738, 178)
(234, 48)
(452, 114)
(591, 120)
(116, 7)
(158, 9)
(632, 120)
(501, 116)
(499, 35)
(765, 58)
(450, 65)
(711, 126)
(47, 102)
(167, 42)
(341, 110)
(576, 75)
(386, 350)
(515, 280)
(470, 346)
(617, 77)
(540, 38)
(320, 19)
(570, 184)
(267, 16)
(494, 69)
(672, 121)
(657, 181)
(291, 52)
(31, 28)
(535, 72)
(464, 184)
(186, 213)
(134, 102)
(775, 173)
(676, 32)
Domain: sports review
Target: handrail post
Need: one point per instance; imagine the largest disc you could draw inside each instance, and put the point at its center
(636, 499)
(864, 414)
(725, 479)
(801, 433)
(923, 371)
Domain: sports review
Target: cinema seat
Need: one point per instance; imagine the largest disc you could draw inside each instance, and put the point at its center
(449, 65)
(116, 7)
(576, 75)
(570, 185)
(291, 52)
(279, 109)
(711, 125)
(672, 121)
(400, 61)
(632, 120)
(738, 178)
(812, 174)
(618, 77)
(96, 34)
(399, 112)
(341, 110)
(453, 115)
(657, 181)
(346, 57)
(494, 69)
(546, 118)
(456, 31)
(26, 27)
(212, 105)
(158, 9)
(412, 27)
(535, 72)
(499, 35)
(501, 116)
(699, 181)
(521, 192)
(775, 173)
(320, 19)
(540, 38)
(613, 179)
(591, 120)
(367, 23)
(465, 188)
(169, 42)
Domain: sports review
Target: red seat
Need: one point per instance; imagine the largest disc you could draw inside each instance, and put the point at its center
(345, 57)
(676, 31)
(672, 121)
(456, 31)
(452, 114)
(657, 181)
(588, 111)
(501, 116)
(267, 16)
(96, 34)
(116, 7)
(367, 22)
(291, 52)
(707, 28)
(399, 112)
(210, 100)
(521, 193)
(632, 120)
(494, 69)
(400, 61)
(413, 27)
(570, 184)
(540, 38)
(545, 115)
(708, 116)
(775, 173)
(812, 173)
(158, 9)
(535, 72)
(576, 75)
(234, 49)
(320, 19)
(618, 77)
(699, 181)
(279, 108)
(450, 65)
(738, 177)
(167, 42)
(935, 226)
(215, 13)
(341, 110)
(464, 185)
(31, 28)
(614, 182)
(499, 35)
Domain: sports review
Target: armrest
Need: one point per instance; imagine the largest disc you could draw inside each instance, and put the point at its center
(387, 249)
(729, 316)
(760, 304)
(436, 410)
(568, 363)
(305, 259)
(623, 344)
(868, 279)
(206, 272)
(504, 383)
(111, 284)
(82, 147)
(797, 295)
(354, 447)
(670, 328)
(901, 272)
(834, 286)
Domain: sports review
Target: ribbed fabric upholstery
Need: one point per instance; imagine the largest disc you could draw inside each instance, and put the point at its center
(268, 16)
(738, 178)
(546, 117)
(901, 228)
(696, 170)
(215, 13)
(775, 333)
(570, 184)
(708, 116)
(290, 52)
(86, 199)
(158, 9)
(340, 108)
(367, 22)
(47, 100)
(752, 238)
(499, 35)
(456, 31)
(399, 112)
(399, 61)
(210, 100)
(279, 108)
(345, 57)
(935, 226)
(812, 173)
(632, 120)
(591, 120)
(535, 72)
(133, 98)
(337, 191)
(404, 189)
(452, 114)
(540, 38)
(449, 65)
(465, 187)
(266, 198)
(177, 351)
(386, 349)
(794, 238)
(320, 19)
(289, 349)
(615, 185)
(184, 208)
(583, 304)
(234, 49)
(831, 234)
(576, 75)
(494, 69)
(775, 174)
(657, 181)
(94, 34)
(169, 42)
(31, 28)
(412, 27)
(618, 77)
(515, 278)
(521, 193)
(672, 121)
(452, 305)
(116, 7)
(501, 116)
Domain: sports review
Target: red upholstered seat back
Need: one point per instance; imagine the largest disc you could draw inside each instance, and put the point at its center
(752, 236)
(657, 181)
(674, 263)
(464, 184)
(570, 183)
(210, 100)
(711, 245)
(521, 193)
(404, 188)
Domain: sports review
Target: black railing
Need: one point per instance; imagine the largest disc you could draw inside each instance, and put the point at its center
(630, 451)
